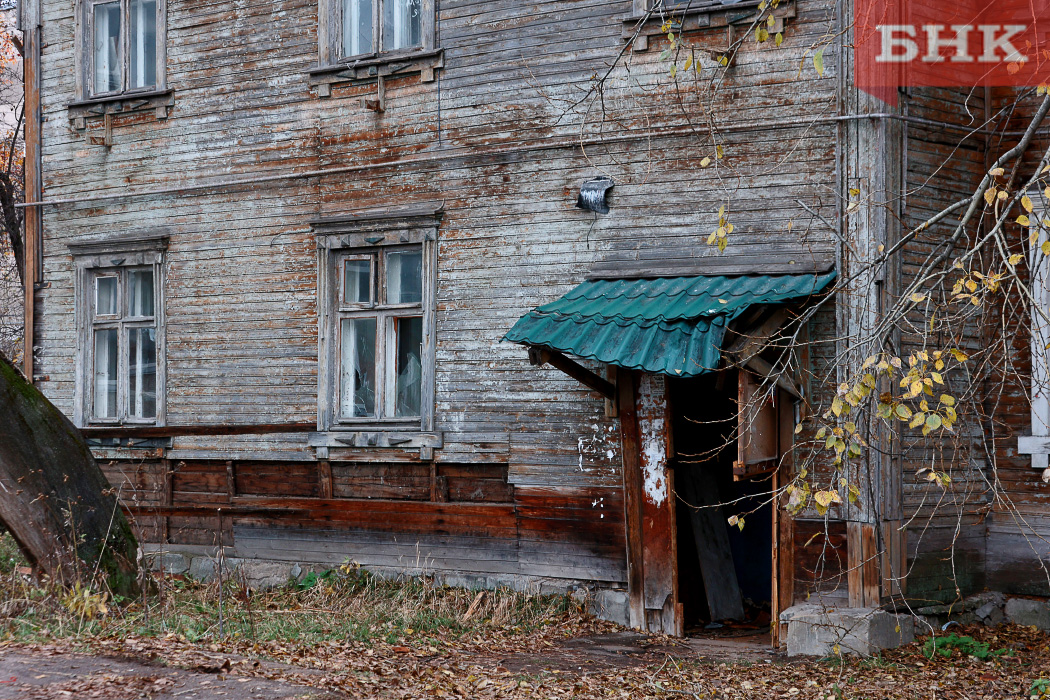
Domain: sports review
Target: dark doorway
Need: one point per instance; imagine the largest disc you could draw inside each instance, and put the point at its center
(735, 564)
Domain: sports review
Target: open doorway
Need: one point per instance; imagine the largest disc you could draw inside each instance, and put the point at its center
(725, 572)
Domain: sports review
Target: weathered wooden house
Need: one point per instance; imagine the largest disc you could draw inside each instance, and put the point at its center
(311, 276)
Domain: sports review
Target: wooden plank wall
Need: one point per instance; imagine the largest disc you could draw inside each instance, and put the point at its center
(946, 537)
(496, 139)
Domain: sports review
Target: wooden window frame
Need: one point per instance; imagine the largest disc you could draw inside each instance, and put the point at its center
(374, 234)
(330, 34)
(116, 257)
(85, 54)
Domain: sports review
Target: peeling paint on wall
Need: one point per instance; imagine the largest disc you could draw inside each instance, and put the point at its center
(652, 425)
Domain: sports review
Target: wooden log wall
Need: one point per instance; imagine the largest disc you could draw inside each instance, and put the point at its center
(529, 476)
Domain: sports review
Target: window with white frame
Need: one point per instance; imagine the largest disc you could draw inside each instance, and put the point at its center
(377, 349)
(122, 47)
(357, 29)
(119, 304)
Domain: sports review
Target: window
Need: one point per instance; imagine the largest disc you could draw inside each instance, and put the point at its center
(380, 336)
(120, 373)
(361, 29)
(122, 47)
(377, 333)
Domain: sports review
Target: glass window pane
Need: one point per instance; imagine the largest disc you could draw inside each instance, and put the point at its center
(105, 296)
(409, 344)
(357, 367)
(140, 293)
(142, 44)
(404, 277)
(402, 24)
(357, 281)
(106, 47)
(142, 373)
(357, 27)
(106, 374)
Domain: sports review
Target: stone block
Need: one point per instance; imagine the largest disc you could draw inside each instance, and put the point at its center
(815, 630)
(202, 568)
(172, 563)
(1029, 613)
(611, 605)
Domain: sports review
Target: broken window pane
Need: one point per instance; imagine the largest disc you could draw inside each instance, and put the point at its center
(142, 373)
(409, 347)
(106, 44)
(357, 368)
(143, 44)
(357, 281)
(402, 24)
(106, 373)
(404, 277)
(105, 296)
(140, 293)
(357, 27)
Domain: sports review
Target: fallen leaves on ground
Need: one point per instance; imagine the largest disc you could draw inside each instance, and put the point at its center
(473, 667)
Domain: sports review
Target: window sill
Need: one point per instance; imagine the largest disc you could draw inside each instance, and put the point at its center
(385, 65)
(160, 102)
(717, 15)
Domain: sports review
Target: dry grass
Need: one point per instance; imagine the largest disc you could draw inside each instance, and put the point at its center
(345, 604)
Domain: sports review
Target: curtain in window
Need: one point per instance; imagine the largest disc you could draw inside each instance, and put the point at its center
(143, 44)
(357, 368)
(106, 373)
(107, 47)
(357, 27)
(409, 332)
(402, 24)
(142, 373)
(140, 293)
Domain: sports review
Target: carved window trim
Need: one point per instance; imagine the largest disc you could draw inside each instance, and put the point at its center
(116, 257)
(370, 234)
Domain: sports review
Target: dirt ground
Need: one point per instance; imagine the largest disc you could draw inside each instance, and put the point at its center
(57, 672)
(601, 662)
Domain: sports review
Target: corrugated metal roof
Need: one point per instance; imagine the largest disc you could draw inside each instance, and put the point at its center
(669, 325)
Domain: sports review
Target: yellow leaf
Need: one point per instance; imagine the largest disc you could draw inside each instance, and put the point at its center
(1026, 202)
(917, 420)
(959, 355)
(996, 172)
(1001, 195)
(705, 162)
(1023, 220)
(947, 400)
(917, 298)
(989, 195)
(688, 63)
(1016, 258)
(719, 152)
(818, 62)
(937, 377)
(778, 39)
(837, 406)
(770, 21)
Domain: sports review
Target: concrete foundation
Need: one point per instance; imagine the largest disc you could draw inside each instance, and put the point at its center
(815, 630)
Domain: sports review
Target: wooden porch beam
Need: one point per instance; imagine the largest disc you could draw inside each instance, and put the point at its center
(542, 356)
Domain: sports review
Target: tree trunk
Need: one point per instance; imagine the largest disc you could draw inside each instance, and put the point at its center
(54, 499)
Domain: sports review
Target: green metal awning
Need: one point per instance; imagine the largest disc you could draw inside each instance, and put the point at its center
(672, 325)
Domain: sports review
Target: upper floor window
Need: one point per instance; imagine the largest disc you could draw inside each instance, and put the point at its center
(360, 29)
(122, 47)
(120, 339)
